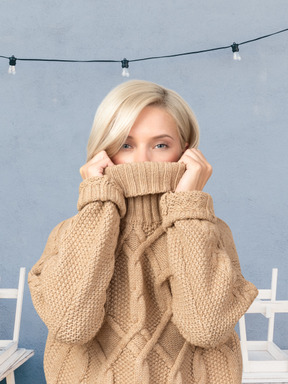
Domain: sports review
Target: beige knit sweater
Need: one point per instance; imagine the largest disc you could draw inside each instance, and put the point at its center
(143, 285)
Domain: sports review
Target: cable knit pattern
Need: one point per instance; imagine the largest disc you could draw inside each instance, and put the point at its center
(142, 286)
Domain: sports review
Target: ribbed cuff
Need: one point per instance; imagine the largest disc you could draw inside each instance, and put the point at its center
(101, 188)
(186, 205)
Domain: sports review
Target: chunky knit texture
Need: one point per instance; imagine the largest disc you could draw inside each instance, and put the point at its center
(143, 285)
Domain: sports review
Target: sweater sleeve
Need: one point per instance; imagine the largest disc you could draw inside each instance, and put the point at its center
(209, 293)
(68, 284)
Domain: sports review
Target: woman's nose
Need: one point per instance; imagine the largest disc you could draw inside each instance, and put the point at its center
(141, 155)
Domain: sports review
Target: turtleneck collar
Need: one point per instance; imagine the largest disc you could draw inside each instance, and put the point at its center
(146, 178)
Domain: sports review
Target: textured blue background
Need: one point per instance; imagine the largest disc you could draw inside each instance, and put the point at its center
(47, 111)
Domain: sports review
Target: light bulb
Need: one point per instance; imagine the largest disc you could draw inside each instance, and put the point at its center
(235, 50)
(236, 56)
(12, 65)
(12, 70)
(125, 72)
(125, 66)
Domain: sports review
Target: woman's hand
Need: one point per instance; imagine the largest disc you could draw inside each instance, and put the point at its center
(95, 166)
(197, 173)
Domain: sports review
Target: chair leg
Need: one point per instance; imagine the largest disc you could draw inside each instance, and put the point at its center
(10, 379)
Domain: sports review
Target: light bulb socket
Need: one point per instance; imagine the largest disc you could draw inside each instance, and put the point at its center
(125, 63)
(12, 61)
(235, 47)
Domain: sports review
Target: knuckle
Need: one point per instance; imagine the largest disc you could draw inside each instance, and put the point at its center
(103, 153)
(100, 156)
(198, 167)
(89, 174)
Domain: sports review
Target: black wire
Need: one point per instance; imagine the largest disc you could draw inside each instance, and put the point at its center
(180, 54)
(263, 37)
(148, 58)
(71, 61)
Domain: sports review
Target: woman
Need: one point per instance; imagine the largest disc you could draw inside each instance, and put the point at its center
(143, 285)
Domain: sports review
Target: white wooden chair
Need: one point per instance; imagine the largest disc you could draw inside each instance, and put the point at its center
(11, 357)
(264, 361)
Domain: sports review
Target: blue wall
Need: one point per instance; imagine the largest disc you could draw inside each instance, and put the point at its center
(47, 111)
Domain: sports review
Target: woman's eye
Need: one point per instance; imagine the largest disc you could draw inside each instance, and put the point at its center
(126, 146)
(161, 146)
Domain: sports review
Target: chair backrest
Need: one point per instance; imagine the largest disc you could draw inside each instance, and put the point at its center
(18, 295)
(270, 295)
(263, 295)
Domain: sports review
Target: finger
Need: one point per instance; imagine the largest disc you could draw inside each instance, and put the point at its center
(196, 163)
(97, 169)
(198, 155)
(99, 156)
(191, 157)
(195, 153)
(101, 160)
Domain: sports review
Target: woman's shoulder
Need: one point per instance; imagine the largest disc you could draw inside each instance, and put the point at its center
(223, 225)
(226, 233)
(61, 229)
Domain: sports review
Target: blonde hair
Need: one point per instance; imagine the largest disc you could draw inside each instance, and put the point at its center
(118, 111)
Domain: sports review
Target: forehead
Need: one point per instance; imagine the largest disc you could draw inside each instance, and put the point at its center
(154, 120)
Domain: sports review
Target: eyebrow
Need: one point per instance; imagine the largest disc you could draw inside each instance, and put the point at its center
(155, 137)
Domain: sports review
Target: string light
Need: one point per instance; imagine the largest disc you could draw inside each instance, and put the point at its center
(125, 66)
(125, 62)
(12, 65)
(235, 50)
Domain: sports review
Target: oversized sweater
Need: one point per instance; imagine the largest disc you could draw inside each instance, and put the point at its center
(142, 286)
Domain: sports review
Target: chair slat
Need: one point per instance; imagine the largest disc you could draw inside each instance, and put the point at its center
(8, 293)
